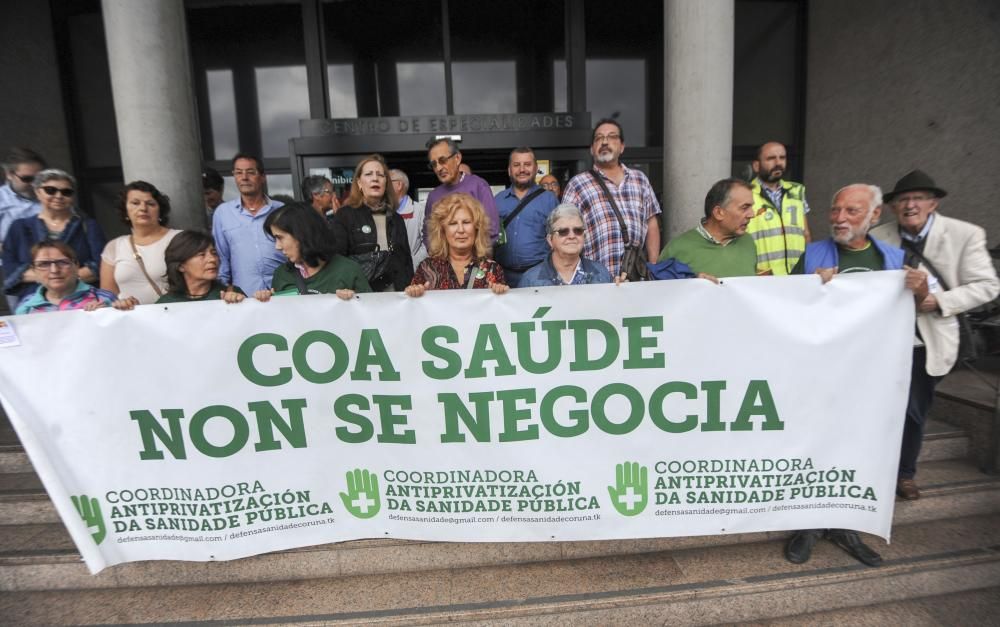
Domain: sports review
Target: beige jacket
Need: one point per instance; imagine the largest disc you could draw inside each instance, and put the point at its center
(958, 251)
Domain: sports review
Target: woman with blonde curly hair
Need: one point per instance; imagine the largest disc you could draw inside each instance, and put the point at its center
(458, 230)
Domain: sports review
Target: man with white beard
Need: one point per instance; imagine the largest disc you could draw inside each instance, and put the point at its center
(855, 209)
(850, 249)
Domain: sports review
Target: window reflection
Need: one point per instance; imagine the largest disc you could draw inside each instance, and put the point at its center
(617, 88)
(559, 85)
(282, 100)
(766, 37)
(222, 110)
(421, 88)
(343, 95)
(484, 86)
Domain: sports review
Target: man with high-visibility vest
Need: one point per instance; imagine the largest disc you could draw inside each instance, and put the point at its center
(779, 227)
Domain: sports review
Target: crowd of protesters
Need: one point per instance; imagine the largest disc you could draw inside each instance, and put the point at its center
(602, 227)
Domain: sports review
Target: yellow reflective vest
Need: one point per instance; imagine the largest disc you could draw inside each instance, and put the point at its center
(779, 234)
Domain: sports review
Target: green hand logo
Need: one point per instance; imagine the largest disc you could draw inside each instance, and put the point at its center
(90, 512)
(362, 498)
(629, 494)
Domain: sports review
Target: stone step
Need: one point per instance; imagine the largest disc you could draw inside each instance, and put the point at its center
(14, 459)
(976, 607)
(943, 441)
(38, 555)
(697, 586)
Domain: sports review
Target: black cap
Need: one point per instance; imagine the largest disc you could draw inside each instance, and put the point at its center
(918, 180)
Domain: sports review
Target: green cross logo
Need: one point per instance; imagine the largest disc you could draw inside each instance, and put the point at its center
(630, 494)
(362, 498)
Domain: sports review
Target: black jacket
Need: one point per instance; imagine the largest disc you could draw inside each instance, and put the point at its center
(352, 239)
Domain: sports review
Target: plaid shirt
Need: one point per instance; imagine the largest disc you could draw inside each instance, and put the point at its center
(636, 201)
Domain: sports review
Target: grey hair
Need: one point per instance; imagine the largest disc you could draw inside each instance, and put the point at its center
(401, 176)
(562, 210)
(52, 174)
(434, 141)
(313, 185)
(873, 190)
(18, 155)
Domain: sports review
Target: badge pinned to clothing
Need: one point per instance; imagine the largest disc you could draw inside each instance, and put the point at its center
(8, 337)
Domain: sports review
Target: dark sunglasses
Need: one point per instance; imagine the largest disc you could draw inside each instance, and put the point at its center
(577, 230)
(25, 179)
(67, 192)
(433, 165)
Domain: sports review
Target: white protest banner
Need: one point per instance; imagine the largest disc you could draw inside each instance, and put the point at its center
(208, 431)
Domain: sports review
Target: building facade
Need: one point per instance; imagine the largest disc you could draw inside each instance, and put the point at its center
(154, 89)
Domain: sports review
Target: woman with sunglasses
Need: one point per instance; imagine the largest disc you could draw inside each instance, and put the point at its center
(565, 266)
(57, 221)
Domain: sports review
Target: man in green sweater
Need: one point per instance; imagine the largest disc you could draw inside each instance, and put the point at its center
(719, 246)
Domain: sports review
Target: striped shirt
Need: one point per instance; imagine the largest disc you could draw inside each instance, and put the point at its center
(636, 201)
(82, 296)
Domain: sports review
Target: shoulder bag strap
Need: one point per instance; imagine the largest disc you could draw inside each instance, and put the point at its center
(142, 266)
(614, 206)
(908, 245)
(300, 283)
(521, 205)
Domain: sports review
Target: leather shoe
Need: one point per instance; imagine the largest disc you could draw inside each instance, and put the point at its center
(800, 545)
(907, 489)
(851, 542)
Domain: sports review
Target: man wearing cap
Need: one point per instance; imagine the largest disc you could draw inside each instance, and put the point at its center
(954, 253)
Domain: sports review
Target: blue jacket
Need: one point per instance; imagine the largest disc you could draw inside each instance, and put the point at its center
(526, 244)
(824, 254)
(544, 274)
(83, 235)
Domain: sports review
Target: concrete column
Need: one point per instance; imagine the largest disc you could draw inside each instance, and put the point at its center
(154, 102)
(698, 105)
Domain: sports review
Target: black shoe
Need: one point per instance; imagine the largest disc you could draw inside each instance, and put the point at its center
(851, 542)
(800, 545)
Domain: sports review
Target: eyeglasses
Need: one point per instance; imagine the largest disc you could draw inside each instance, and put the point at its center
(25, 179)
(433, 165)
(59, 264)
(65, 192)
(611, 137)
(249, 172)
(551, 186)
(905, 200)
(564, 232)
